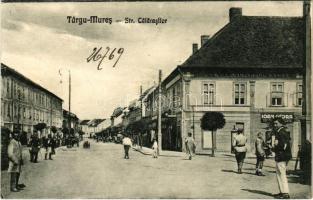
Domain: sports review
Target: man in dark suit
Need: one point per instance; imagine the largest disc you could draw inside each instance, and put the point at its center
(282, 151)
(35, 147)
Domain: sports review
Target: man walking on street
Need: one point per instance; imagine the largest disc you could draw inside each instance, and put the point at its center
(190, 145)
(15, 162)
(239, 145)
(127, 144)
(260, 154)
(282, 156)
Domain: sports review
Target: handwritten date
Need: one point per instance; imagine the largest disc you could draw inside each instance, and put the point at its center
(98, 56)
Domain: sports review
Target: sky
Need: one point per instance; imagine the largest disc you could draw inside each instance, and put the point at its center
(38, 42)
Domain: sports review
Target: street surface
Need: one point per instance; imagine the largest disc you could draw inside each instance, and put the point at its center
(102, 172)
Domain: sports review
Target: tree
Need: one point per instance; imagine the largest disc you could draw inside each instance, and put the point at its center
(40, 126)
(211, 121)
(54, 129)
(65, 131)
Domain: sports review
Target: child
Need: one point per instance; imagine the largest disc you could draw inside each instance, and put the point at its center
(260, 154)
(155, 148)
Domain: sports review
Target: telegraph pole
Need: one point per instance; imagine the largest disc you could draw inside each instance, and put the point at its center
(307, 74)
(69, 100)
(160, 113)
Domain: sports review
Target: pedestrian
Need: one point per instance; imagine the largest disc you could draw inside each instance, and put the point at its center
(282, 151)
(15, 162)
(155, 148)
(190, 145)
(34, 147)
(240, 148)
(47, 144)
(53, 145)
(127, 144)
(260, 154)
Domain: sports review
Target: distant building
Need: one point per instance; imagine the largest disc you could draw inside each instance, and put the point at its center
(25, 103)
(97, 125)
(73, 119)
(84, 126)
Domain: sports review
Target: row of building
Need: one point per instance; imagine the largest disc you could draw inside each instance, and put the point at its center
(24, 104)
(251, 70)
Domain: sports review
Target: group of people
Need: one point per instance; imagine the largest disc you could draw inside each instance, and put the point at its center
(16, 157)
(189, 141)
(281, 148)
(47, 143)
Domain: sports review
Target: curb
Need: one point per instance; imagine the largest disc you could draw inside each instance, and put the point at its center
(162, 155)
(144, 153)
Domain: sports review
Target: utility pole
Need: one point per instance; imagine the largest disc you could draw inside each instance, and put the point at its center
(160, 113)
(141, 102)
(306, 111)
(69, 101)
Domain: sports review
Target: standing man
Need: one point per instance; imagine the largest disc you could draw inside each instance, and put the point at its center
(34, 147)
(239, 145)
(127, 144)
(260, 154)
(15, 161)
(190, 145)
(282, 156)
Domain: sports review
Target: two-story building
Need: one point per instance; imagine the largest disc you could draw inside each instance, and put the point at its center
(25, 103)
(70, 120)
(84, 126)
(250, 70)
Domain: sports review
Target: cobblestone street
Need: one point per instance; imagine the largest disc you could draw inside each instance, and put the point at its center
(101, 172)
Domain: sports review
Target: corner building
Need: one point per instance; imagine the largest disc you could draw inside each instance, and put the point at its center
(251, 70)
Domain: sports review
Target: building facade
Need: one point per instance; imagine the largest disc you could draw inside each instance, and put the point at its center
(70, 120)
(25, 103)
(249, 71)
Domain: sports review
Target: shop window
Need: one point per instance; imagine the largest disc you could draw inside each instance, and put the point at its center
(24, 113)
(174, 96)
(277, 94)
(240, 93)
(9, 111)
(299, 94)
(8, 87)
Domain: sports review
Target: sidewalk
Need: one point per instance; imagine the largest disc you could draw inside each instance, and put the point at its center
(5, 177)
(148, 151)
(250, 158)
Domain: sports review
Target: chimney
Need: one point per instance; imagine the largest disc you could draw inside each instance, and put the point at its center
(204, 39)
(234, 13)
(194, 48)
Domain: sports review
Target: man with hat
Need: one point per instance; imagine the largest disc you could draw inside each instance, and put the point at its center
(15, 161)
(127, 144)
(282, 151)
(240, 148)
(35, 147)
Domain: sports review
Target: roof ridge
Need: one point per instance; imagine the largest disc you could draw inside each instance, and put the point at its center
(3, 66)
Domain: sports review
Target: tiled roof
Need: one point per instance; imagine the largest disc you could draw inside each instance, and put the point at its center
(95, 122)
(84, 122)
(254, 42)
(6, 70)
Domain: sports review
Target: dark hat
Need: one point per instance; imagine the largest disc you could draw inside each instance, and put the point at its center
(280, 120)
(240, 130)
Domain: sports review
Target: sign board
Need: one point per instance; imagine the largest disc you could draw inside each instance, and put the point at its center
(266, 117)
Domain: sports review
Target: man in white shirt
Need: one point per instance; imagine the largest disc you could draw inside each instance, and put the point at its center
(127, 144)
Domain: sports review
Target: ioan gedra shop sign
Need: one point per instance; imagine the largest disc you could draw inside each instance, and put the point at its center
(266, 117)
